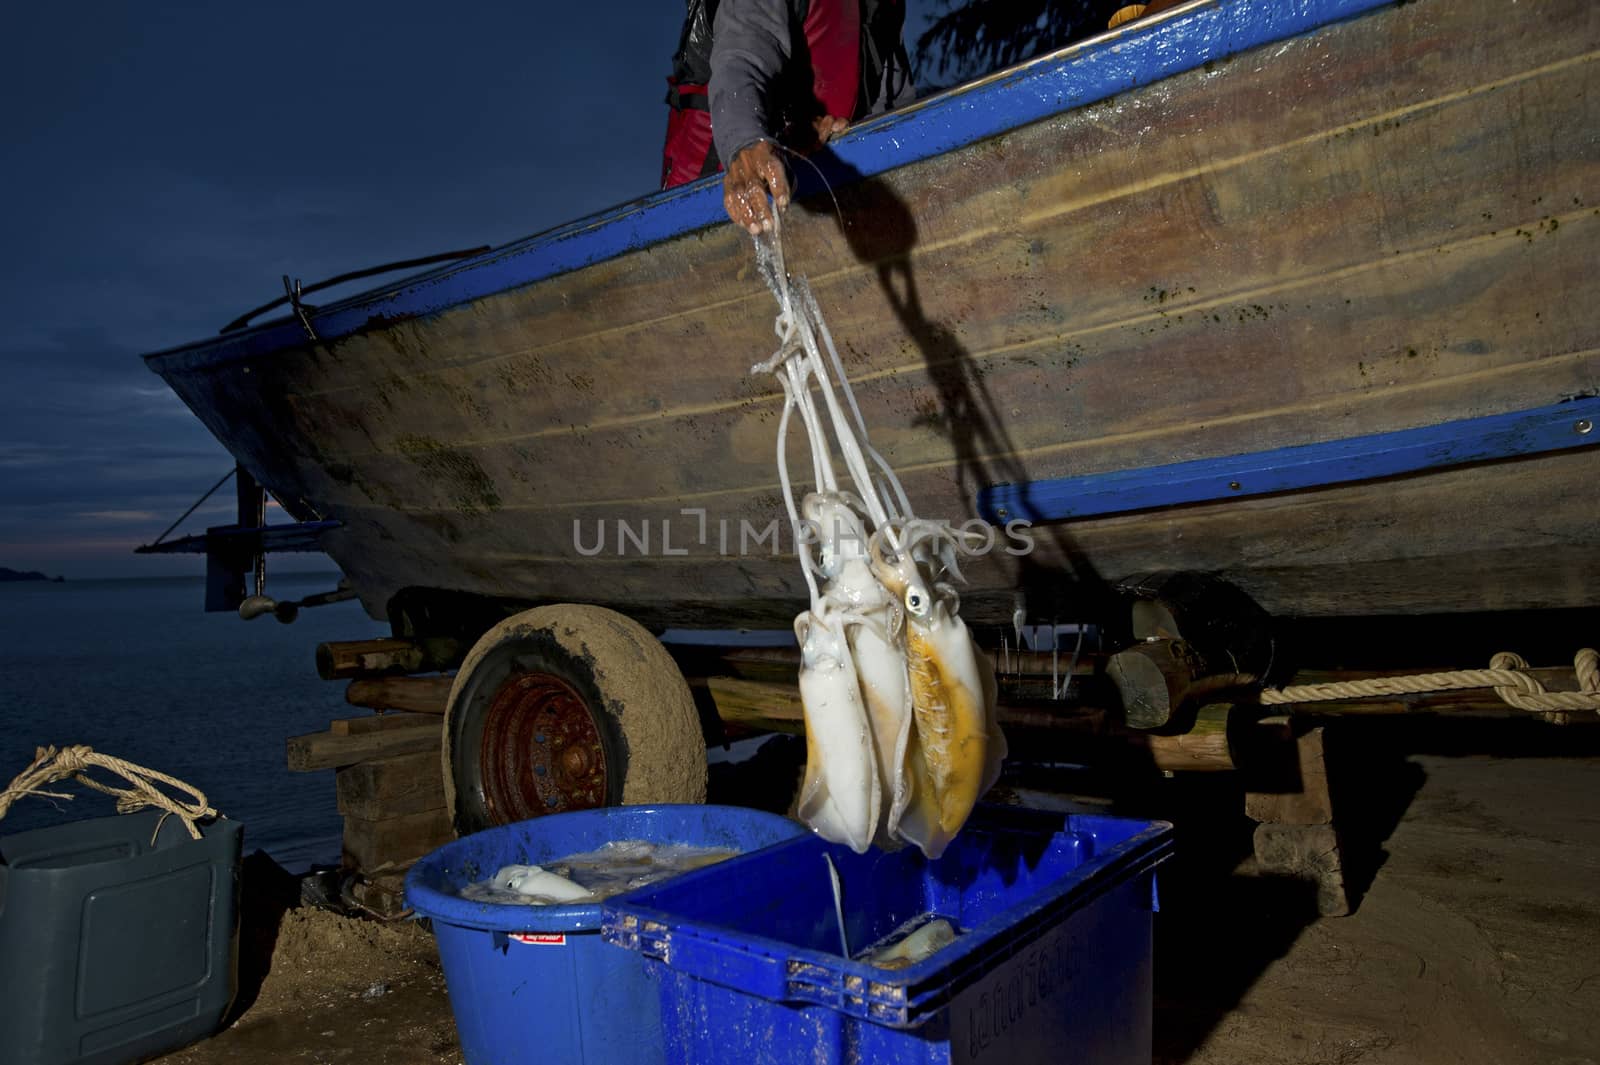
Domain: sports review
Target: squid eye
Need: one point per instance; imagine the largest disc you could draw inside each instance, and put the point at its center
(916, 603)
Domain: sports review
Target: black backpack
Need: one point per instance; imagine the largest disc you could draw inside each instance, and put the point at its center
(691, 64)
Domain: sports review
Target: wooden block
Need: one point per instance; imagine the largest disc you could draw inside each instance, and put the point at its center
(1298, 794)
(387, 787)
(422, 695)
(360, 726)
(775, 707)
(1306, 852)
(361, 658)
(383, 896)
(325, 750)
(1204, 748)
(393, 841)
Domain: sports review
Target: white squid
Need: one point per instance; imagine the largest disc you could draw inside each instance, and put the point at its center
(871, 624)
(957, 746)
(901, 738)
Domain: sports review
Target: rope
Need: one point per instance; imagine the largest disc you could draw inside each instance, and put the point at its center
(50, 765)
(1504, 675)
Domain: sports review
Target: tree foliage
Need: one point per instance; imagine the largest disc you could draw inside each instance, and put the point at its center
(970, 38)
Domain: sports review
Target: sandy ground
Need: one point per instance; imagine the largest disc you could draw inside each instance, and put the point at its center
(339, 990)
(1476, 939)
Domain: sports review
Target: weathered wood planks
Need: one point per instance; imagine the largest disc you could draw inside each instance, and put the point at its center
(384, 657)
(388, 787)
(418, 695)
(360, 726)
(776, 707)
(394, 811)
(393, 841)
(330, 750)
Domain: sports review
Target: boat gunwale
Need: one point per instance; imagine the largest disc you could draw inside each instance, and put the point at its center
(1137, 54)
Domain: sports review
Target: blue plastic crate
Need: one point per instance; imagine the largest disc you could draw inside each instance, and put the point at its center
(1053, 964)
(536, 983)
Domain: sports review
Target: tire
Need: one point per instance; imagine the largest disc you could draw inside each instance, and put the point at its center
(568, 707)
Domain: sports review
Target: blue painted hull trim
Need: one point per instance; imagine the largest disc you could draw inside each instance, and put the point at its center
(1141, 53)
(1563, 426)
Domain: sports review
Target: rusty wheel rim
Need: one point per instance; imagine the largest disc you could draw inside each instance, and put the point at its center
(541, 751)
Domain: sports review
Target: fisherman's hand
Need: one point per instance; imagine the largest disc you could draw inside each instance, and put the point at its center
(828, 127)
(755, 172)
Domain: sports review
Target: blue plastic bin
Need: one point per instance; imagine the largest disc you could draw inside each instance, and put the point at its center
(1054, 963)
(535, 984)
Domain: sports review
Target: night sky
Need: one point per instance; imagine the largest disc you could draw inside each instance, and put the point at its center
(164, 164)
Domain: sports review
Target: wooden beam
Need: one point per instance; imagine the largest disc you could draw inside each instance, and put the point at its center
(420, 695)
(373, 658)
(758, 704)
(1297, 792)
(746, 661)
(1306, 852)
(776, 707)
(360, 726)
(1296, 835)
(1155, 678)
(763, 656)
(381, 890)
(327, 750)
(1204, 748)
(388, 787)
(393, 841)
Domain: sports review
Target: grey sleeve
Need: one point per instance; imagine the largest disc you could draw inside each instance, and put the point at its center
(750, 46)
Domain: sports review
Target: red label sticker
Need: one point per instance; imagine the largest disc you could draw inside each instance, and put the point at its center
(541, 939)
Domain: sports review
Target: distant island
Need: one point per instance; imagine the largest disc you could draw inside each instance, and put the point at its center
(28, 575)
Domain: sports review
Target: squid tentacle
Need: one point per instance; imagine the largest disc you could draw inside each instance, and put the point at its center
(844, 386)
(803, 550)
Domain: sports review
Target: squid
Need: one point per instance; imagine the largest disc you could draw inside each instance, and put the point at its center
(958, 747)
(872, 624)
(901, 736)
(841, 795)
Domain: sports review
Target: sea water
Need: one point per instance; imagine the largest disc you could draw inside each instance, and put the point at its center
(137, 669)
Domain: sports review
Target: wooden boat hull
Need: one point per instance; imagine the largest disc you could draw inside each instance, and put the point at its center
(1218, 234)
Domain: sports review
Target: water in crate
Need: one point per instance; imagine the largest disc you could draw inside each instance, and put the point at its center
(919, 938)
(619, 866)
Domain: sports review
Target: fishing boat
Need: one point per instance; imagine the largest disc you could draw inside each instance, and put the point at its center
(1297, 295)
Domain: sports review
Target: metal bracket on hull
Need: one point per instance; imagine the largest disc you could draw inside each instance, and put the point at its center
(1559, 427)
(302, 311)
(294, 293)
(231, 552)
(290, 536)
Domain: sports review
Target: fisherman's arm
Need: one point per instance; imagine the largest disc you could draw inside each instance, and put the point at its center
(752, 43)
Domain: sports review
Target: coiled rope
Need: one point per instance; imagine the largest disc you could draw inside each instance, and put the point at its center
(50, 765)
(1504, 675)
